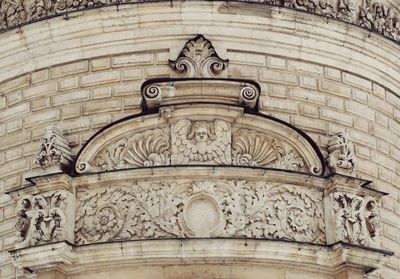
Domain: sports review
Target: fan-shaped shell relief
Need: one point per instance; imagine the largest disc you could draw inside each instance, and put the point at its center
(199, 142)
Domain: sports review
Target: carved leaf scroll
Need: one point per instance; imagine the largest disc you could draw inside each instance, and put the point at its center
(198, 58)
(234, 209)
(41, 218)
(369, 14)
(357, 219)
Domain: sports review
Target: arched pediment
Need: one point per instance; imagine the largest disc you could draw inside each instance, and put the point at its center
(202, 134)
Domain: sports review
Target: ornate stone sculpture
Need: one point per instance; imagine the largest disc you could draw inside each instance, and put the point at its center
(346, 10)
(55, 150)
(357, 219)
(200, 209)
(382, 19)
(42, 218)
(146, 149)
(198, 58)
(201, 142)
(341, 153)
(251, 148)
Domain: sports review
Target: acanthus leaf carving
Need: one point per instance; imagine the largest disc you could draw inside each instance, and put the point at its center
(42, 218)
(55, 150)
(341, 153)
(373, 16)
(357, 219)
(380, 18)
(346, 10)
(198, 58)
(200, 209)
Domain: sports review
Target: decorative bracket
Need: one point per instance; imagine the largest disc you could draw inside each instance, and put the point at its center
(55, 152)
(341, 154)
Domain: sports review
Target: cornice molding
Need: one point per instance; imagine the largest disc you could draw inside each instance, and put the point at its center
(372, 15)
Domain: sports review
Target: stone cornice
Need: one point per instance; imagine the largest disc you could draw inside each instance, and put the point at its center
(71, 259)
(369, 14)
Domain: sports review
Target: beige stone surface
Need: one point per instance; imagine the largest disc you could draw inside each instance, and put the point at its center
(321, 76)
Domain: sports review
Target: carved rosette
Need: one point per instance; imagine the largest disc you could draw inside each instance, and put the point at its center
(341, 157)
(357, 219)
(198, 58)
(44, 218)
(200, 209)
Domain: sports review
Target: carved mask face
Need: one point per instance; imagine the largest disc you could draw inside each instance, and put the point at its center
(201, 135)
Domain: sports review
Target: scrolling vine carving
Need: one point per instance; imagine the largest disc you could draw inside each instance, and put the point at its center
(368, 14)
(357, 219)
(234, 209)
(41, 218)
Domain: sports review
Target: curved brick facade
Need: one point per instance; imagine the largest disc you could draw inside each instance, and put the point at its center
(84, 73)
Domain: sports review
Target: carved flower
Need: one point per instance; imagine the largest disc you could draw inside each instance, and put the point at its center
(107, 223)
(297, 220)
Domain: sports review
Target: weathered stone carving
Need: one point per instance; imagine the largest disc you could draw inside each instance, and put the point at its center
(347, 10)
(201, 142)
(341, 153)
(324, 7)
(357, 219)
(200, 209)
(198, 58)
(152, 96)
(249, 97)
(251, 148)
(378, 17)
(55, 150)
(42, 218)
(146, 149)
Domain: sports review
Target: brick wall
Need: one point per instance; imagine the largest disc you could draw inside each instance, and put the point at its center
(83, 96)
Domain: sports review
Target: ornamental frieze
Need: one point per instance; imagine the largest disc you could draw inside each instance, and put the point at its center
(369, 14)
(200, 209)
(199, 142)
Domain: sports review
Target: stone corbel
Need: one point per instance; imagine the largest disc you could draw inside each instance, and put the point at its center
(45, 211)
(352, 212)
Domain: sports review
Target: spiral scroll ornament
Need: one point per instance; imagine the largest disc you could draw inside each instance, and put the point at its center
(152, 96)
(248, 96)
